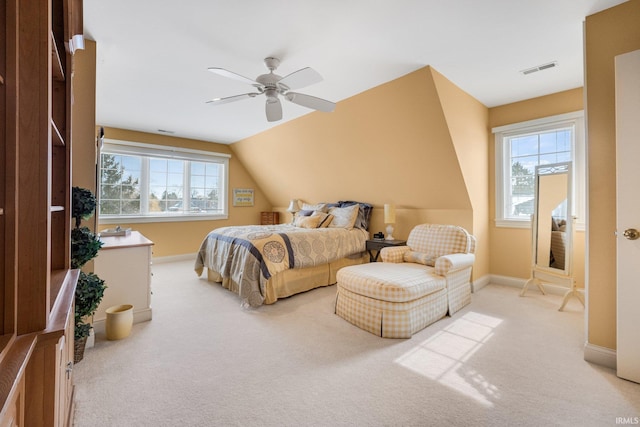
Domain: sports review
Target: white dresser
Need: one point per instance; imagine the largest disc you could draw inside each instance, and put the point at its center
(124, 263)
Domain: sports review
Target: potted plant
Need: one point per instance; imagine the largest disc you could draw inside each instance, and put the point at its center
(84, 247)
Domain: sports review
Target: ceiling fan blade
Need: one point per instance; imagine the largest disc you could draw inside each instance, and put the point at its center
(299, 79)
(233, 98)
(273, 109)
(232, 75)
(311, 102)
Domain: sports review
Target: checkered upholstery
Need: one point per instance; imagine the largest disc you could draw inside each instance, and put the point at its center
(395, 299)
(391, 319)
(390, 282)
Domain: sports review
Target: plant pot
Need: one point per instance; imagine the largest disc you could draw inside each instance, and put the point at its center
(119, 321)
(78, 349)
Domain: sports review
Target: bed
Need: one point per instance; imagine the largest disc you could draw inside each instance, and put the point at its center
(262, 263)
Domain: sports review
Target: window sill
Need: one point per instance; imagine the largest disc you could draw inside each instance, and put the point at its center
(514, 223)
(151, 219)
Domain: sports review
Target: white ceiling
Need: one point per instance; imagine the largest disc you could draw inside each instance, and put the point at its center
(153, 55)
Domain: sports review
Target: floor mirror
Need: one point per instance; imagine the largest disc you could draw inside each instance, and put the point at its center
(552, 231)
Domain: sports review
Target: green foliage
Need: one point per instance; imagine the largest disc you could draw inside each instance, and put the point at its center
(119, 190)
(84, 246)
(83, 204)
(89, 293)
(82, 330)
(518, 169)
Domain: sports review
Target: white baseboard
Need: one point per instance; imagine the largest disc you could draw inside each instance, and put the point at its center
(514, 282)
(517, 282)
(480, 283)
(172, 258)
(600, 355)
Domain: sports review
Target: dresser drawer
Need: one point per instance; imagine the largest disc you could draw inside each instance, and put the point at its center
(269, 218)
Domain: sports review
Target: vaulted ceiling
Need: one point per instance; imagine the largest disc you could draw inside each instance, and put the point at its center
(153, 55)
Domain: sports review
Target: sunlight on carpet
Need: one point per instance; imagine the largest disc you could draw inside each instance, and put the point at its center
(442, 357)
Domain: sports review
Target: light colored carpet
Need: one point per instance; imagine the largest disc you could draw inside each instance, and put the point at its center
(204, 361)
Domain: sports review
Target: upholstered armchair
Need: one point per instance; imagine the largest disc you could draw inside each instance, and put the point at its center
(443, 250)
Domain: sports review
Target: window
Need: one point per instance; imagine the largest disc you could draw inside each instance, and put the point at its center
(150, 183)
(520, 148)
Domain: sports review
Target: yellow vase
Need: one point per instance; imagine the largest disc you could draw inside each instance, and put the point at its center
(119, 321)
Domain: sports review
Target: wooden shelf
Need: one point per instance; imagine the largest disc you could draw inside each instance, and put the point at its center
(63, 290)
(56, 137)
(37, 321)
(13, 366)
(56, 64)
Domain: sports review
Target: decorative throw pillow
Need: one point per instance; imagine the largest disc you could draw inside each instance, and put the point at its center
(324, 219)
(304, 212)
(322, 207)
(307, 221)
(420, 258)
(344, 217)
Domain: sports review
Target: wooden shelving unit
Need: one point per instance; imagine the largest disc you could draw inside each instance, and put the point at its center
(37, 287)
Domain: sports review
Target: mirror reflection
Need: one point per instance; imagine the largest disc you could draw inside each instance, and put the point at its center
(552, 223)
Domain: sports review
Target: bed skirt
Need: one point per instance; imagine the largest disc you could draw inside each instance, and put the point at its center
(296, 280)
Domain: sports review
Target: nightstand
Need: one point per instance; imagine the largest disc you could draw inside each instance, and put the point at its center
(375, 245)
(269, 218)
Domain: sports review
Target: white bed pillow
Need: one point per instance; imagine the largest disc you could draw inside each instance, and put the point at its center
(344, 217)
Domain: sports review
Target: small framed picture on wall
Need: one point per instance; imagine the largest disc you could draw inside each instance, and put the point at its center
(243, 197)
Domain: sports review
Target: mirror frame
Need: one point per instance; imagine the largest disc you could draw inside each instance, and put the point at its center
(542, 273)
(547, 273)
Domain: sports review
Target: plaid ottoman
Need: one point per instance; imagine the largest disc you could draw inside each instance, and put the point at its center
(391, 300)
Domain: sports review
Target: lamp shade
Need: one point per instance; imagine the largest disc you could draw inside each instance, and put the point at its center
(293, 206)
(389, 214)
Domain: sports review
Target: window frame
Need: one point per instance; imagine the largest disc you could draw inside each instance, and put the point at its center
(503, 160)
(167, 152)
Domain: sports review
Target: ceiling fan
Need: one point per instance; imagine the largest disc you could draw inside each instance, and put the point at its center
(273, 85)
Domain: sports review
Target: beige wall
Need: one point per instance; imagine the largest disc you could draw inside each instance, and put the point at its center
(467, 120)
(510, 248)
(418, 142)
(84, 117)
(83, 126)
(607, 34)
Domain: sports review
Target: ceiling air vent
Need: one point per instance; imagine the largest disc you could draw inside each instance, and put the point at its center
(540, 68)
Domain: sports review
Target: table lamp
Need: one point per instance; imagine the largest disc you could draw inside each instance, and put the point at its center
(294, 207)
(389, 219)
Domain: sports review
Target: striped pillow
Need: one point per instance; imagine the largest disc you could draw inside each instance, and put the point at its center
(324, 219)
